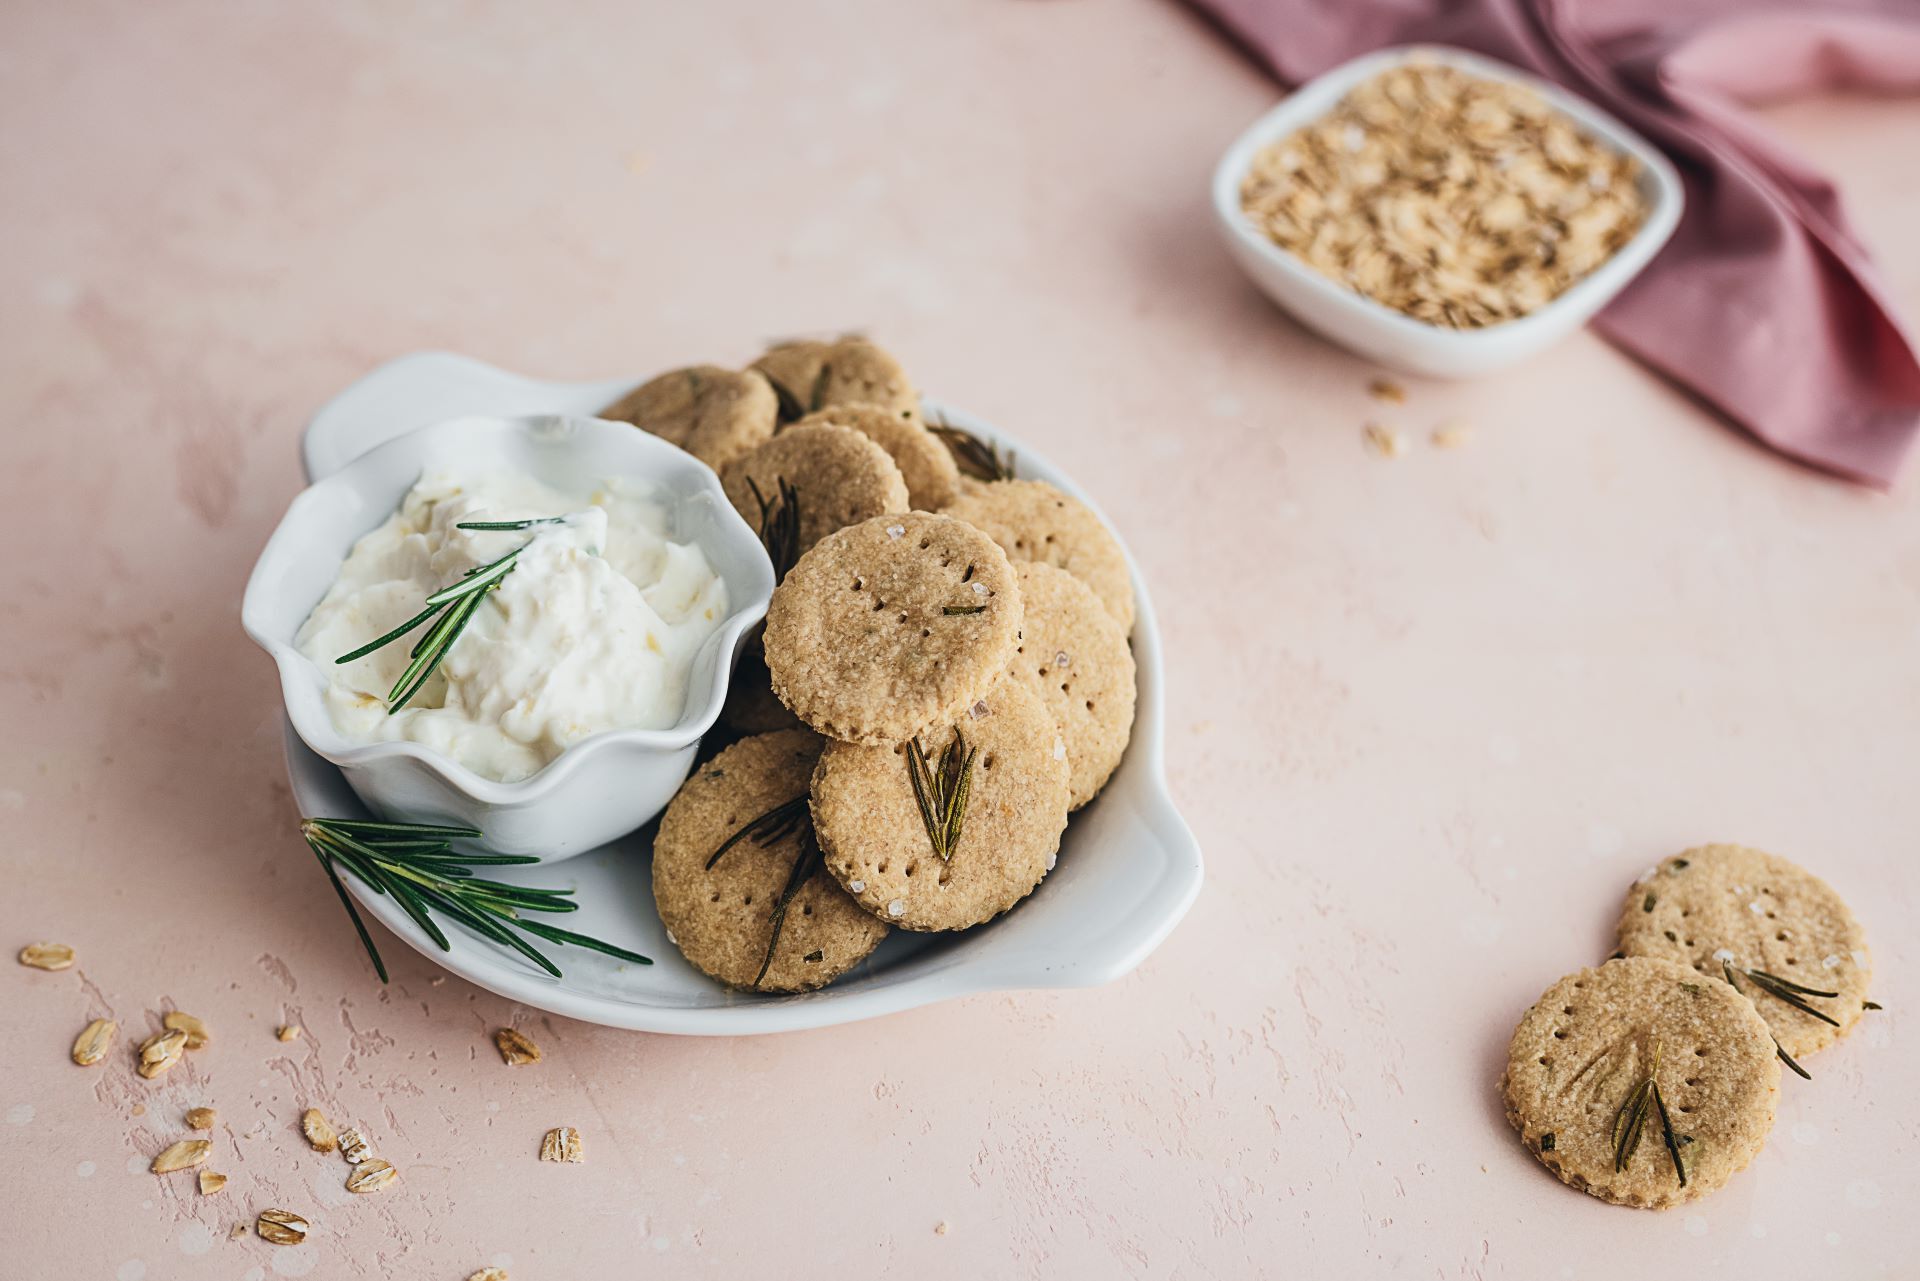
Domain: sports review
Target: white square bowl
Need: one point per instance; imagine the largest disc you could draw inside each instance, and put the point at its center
(1388, 337)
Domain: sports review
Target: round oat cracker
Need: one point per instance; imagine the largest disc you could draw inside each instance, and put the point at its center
(721, 918)
(1581, 1051)
(892, 625)
(839, 478)
(876, 842)
(715, 414)
(1034, 521)
(1755, 911)
(813, 375)
(1079, 660)
(925, 462)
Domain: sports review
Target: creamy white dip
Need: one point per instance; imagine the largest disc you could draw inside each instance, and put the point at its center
(594, 629)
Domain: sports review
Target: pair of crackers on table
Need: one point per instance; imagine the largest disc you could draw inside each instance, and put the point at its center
(944, 676)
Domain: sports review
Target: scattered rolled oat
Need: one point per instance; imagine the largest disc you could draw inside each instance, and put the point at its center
(91, 1045)
(515, 1048)
(371, 1175)
(288, 1032)
(196, 1030)
(1457, 200)
(181, 1156)
(562, 1144)
(161, 1051)
(1385, 442)
(282, 1227)
(1451, 435)
(489, 1274)
(237, 1231)
(319, 1131)
(46, 956)
(1388, 390)
(211, 1183)
(201, 1118)
(354, 1146)
(940, 1228)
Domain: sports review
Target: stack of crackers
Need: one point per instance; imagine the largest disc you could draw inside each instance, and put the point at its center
(1652, 1079)
(944, 676)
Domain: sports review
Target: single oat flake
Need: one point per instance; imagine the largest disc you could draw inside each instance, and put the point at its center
(1384, 442)
(46, 956)
(210, 1183)
(91, 1045)
(196, 1030)
(1451, 435)
(515, 1048)
(489, 1274)
(354, 1146)
(371, 1176)
(288, 1032)
(201, 1118)
(182, 1155)
(562, 1144)
(320, 1133)
(160, 1052)
(282, 1227)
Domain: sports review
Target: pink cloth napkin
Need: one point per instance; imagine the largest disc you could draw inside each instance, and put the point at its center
(1765, 303)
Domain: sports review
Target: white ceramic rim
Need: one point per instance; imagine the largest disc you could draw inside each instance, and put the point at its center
(1660, 184)
(1157, 908)
(696, 717)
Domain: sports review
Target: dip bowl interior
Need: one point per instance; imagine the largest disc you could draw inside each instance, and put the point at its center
(599, 788)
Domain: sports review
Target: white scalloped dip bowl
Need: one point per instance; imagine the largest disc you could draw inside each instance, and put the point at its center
(597, 789)
(1129, 867)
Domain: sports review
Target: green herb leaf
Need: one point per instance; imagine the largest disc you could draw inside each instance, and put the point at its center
(962, 609)
(789, 818)
(974, 456)
(1643, 1104)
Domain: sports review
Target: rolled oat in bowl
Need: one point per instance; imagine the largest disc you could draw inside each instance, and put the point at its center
(1456, 199)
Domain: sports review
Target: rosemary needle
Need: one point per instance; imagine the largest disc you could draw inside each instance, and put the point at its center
(1644, 1103)
(416, 865)
(974, 456)
(789, 818)
(779, 524)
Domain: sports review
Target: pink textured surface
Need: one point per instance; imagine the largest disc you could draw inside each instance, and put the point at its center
(1429, 716)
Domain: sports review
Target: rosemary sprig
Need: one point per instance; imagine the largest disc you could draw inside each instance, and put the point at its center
(942, 791)
(789, 818)
(974, 456)
(789, 410)
(416, 864)
(451, 608)
(951, 610)
(1643, 1103)
(779, 525)
(1786, 990)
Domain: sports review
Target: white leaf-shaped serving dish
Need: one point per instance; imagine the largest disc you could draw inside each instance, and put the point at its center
(1128, 868)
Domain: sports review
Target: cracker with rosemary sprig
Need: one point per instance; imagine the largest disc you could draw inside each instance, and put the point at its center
(715, 414)
(1773, 929)
(737, 874)
(1642, 1082)
(834, 476)
(953, 826)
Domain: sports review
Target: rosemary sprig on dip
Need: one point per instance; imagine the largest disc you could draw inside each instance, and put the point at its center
(1643, 1103)
(942, 791)
(789, 818)
(1783, 990)
(779, 525)
(974, 456)
(417, 865)
(454, 605)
